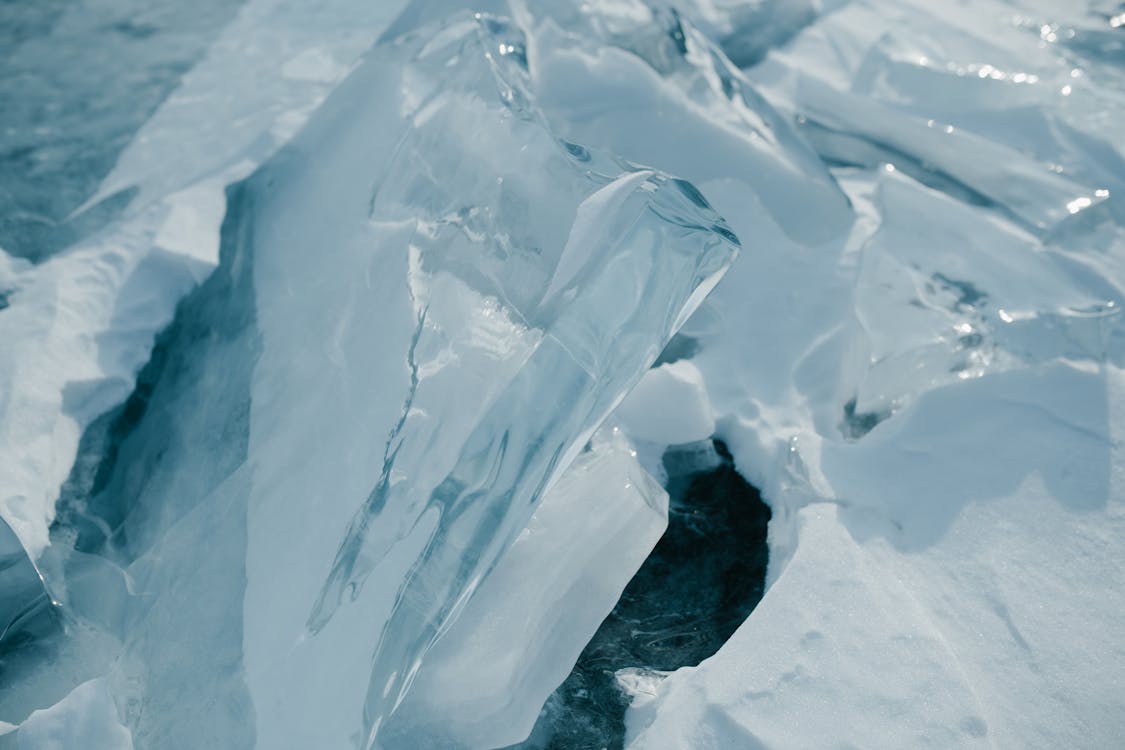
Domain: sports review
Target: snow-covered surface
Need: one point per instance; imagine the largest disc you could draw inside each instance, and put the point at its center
(932, 403)
(917, 357)
(79, 326)
(669, 405)
(85, 718)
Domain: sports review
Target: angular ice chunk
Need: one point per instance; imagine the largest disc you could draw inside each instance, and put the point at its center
(748, 29)
(483, 684)
(426, 305)
(649, 86)
(848, 129)
(598, 262)
(24, 602)
(970, 296)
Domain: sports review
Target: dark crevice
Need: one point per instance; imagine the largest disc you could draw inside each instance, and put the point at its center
(680, 347)
(700, 583)
(842, 149)
(84, 508)
(120, 462)
(149, 543)
(856, 424)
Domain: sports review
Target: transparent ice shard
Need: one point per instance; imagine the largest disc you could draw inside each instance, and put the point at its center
(544, 279)
(970, 296)
(24, 603)
(850, 130)
(640, 80)
(485, 681)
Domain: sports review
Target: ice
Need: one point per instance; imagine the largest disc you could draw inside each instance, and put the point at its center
(791, 682)
(119, 205)
(78, 326)
(24, 603)
(950, 328)
(943, 470)
(325, 387)
(77, 81)
(748, 29)
(964, 574)
(259, 80)
(407, 294)
(655, 90)
(86, 718)
(509, 240)
(701, 580)
(521, 633)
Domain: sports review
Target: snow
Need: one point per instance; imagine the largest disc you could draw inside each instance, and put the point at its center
(668, 406)
(950, 605)
(85, 718)
(944, 470)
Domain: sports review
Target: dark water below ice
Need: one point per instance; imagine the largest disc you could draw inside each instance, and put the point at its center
(699, 584)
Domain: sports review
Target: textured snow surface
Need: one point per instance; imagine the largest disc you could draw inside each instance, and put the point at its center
(332, 393)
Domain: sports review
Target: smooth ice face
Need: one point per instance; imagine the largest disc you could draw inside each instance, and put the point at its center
(961, 313)
(24, 603)
(425, 307)
(645, 83)
(487, 678)
(538, 275)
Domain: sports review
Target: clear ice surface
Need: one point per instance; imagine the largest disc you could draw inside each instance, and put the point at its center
(519, 635)
(474, 273)
(315, 319)
(537, 274)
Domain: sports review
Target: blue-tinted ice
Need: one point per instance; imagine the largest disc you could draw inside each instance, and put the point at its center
(486, 191)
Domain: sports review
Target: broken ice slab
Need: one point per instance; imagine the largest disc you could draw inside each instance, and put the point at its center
(25, 607)
(972, 296)
(426, 261)
(747, 31)
(644, 83)
(570, 270)
(850, 130)
(485, 681)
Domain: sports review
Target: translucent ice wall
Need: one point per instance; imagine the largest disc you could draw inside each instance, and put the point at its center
(359, 492)
(538, 275)
(521, 634)
(426, 305)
